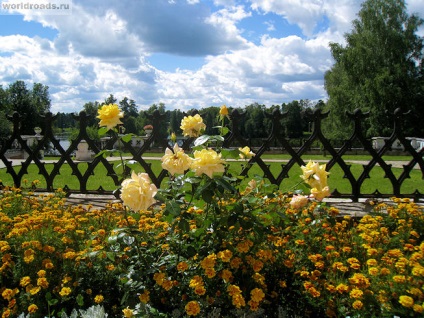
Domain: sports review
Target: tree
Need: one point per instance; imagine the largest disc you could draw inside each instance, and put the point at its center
(380, 69)
(30, 104)
(293, 121)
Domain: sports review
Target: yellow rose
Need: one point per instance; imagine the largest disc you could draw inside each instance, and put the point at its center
(246, 153)
(138, 192)
(207, 161)
(176, 161)
(223, 111)
(299, 201)
(109, 116)
(315, 175)
(192, 126)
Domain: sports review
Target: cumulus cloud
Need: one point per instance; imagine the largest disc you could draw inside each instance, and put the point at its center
(105, 48)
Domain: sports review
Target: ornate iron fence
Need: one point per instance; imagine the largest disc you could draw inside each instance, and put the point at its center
(413, 156)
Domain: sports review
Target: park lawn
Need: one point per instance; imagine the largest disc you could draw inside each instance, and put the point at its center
(377, 181)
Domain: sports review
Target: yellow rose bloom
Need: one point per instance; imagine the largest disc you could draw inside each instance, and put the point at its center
(192, 308)
(246, 153)
(299, 201)
(192, 126)
(176, 162)
(110, 116)
(315, 176)
(138, 192)
(223, 111)
(207, 161)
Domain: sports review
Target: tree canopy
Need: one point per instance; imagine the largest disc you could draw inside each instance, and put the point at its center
(378, 70)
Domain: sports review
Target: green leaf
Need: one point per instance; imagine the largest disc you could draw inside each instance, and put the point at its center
(173, 208)
(127, 137)
(201, 140)
(80, 300)
(102, 131)
(230, 153)
(111, 256)
(207, 195)
(184, 225)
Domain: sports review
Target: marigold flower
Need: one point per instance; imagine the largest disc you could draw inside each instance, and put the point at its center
(138, 192)
(207, 161)
(406, 301)
(32, 308)
(192, 308)
(110, 116)
(99, 299)
(238, 301)
(25, 281)
(257, 294)
(225, 256)
(182, 266)
(357, 304)
(192, 126)
(226, 275)
(176, 161)
(145, 297)
(356, 293)
(128, 313)
(65, 291)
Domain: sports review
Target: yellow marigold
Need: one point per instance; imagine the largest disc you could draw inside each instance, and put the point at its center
(208, 261)
(41, 273)
(207, 161)
(226, 275)
(373, 271)
(195, 281)
(65, 291)
(8, 294)
(99, 299)
(314, 292)
(176, 161)
(200, 290)
(233, 290)
(356, 293)
(254, 306)
(182, 266)
(357, 304)
(418, 308)
(246, 153)
(138, 192)
(34, 290)
(110, 116)
(210, 272)
(225, 256)
(145, 297)
(192, 126)
(399, 279)
(32, 308)
(192, 308)
(406, 301)
(25, 281)
(238, 300)
(42, 282)
(342, 288)
(167, 284)
(128, 313)
(159, 278)
(257, 295)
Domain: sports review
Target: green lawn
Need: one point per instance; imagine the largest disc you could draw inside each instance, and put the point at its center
(336, 180)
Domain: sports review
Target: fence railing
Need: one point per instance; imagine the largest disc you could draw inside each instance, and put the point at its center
(413, 156)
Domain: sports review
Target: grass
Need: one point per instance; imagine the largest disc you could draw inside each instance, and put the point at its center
(377, 181)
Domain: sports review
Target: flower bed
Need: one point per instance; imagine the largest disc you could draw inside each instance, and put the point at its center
(56, 258)
(205, 247)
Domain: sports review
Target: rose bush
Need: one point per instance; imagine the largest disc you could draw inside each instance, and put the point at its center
(209, 248)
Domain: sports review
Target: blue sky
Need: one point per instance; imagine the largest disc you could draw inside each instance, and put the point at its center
(184, 53)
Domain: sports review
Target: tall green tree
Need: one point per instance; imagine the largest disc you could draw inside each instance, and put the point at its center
(378, 70)
(29, 103)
